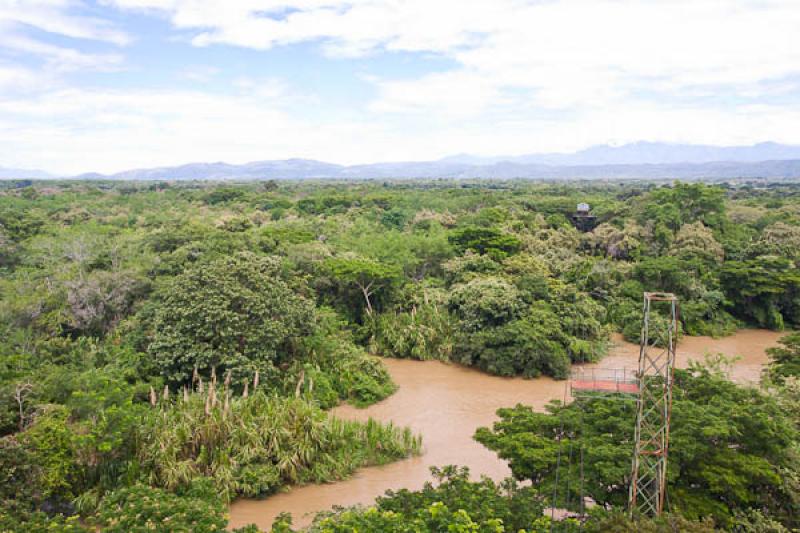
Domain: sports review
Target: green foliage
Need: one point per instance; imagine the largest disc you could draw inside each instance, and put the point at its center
(529, 346)
(784, 359)
(141, 508)
(482, 507)
(727, 445)
(53, 450)
(235, 314)
(503, 334)
(337, 369)
(223, 195)
(515, 506)
(111, 288)
(425, 332)
(368, 276)
(19, 476)
(40, 522)
(485, 240)
(252, 446)
(764, 290)
(485, 302)
(685, 203)
(669, 523)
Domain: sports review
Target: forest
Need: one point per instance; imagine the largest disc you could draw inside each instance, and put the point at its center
(169, 347)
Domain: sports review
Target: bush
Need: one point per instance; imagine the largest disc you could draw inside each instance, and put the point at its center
(426, 332)
(141, 508)
(252, 446)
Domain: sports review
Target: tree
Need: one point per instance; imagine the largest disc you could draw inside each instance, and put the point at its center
(764, 290)
(485, 240)
(99, 300)
(368, 275)
(779, 239)
(696, 242)
(728, 444)
(485, 302)
(532, 345)
(236, 314)
(685, 203)
(483, 506)
(784, 359)
(618, 243)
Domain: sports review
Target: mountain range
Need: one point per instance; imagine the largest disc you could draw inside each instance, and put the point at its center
(23, 174)
(646, 160)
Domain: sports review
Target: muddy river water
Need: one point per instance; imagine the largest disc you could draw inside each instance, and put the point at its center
(446, 403)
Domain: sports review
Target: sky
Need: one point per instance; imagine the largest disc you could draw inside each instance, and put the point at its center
(109, 85)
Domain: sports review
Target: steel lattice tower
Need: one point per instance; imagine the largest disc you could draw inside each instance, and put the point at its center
(656, 363)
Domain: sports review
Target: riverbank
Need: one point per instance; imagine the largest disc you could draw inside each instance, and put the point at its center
(446, 403)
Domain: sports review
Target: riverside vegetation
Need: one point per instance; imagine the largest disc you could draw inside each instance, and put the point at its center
(168, 347)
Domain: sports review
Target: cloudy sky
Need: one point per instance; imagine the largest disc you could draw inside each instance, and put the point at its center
(108, 85)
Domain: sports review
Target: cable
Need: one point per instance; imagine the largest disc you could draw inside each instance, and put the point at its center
(558, 462)
(582, 503)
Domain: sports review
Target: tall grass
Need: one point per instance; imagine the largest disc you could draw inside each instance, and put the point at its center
(251, 446)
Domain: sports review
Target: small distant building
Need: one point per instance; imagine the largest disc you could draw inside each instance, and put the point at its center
(583, 219)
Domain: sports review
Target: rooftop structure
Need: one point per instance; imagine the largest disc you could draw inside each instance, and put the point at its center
(583, 219)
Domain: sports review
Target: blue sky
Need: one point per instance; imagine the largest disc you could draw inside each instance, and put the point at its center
(109, 85)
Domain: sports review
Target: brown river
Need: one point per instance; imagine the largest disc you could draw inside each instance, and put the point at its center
(445, 403)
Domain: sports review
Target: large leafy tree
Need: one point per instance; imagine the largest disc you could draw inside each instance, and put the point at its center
(234, 313)
(685, 203)
(765, 290)
(369, 277)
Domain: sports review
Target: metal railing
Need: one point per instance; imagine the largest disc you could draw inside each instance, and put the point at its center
(604, 380)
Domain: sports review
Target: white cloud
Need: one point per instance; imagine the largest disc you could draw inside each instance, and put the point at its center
(59, 58)
(565, 53)
(523, 76)
(54, 16)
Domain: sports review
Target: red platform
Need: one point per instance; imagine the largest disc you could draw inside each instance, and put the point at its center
(605, 386)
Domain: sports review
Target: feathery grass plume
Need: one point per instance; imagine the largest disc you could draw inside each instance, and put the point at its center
(255, 381)
(200, 385)
(213, 375)
(300, 381)
(185, 393)
(195, 374)
(245, 391)
(152, 396)
(227, 379)
(166, 393)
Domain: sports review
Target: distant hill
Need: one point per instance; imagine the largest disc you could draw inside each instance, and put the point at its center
(645, 153)
(23, 174)
(288, 169)
(638, 160)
